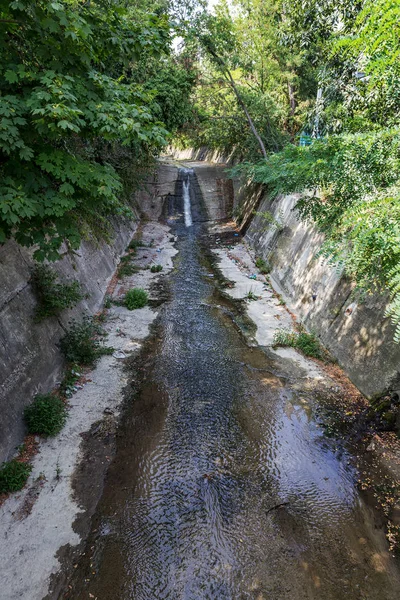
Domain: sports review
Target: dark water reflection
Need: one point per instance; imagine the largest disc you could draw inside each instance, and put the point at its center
(214, 441)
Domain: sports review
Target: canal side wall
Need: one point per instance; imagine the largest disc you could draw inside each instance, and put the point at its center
(30, 358)
(357, 334)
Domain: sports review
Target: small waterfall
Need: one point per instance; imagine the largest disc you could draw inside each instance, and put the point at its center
(186, 198)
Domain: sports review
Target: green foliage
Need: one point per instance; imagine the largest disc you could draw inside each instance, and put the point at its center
(136, 298)
(82, 343)
(350, 188)
(251, 296)
(126, 268)
(68, 103)
(156, 268)
(137, 243)
(69, 380)
(46, 415)
(53, 297)
(303, 341)
(263, 266)
(13, 476)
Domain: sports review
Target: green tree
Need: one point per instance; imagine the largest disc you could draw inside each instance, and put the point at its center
(66, 102)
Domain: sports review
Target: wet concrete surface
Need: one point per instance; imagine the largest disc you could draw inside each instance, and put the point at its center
(223, 486)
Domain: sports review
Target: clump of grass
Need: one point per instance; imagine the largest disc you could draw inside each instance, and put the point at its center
(82, 343)
(126, 267)
(46, 415)
(13, 475)
(307, 343)
(107, 301)
(136, 244)
(136, 298)
(251, 296)
(53, 297)
(263, 266)
(156, 268)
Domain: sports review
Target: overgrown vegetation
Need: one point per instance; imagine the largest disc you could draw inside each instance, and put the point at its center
(46, 415)
(349, 177)
(136, 298)
(84, 89)
(13, 475)
(53, 297)
(82, 344)
(307, 343)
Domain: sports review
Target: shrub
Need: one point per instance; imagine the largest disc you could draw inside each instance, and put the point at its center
(46, 415)
(13, 475)
(53, 297)
(136, 298)
(156, 268)
(81, 344)
(263, 266)
(303, 341)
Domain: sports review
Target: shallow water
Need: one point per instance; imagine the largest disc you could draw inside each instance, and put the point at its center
(223, 486)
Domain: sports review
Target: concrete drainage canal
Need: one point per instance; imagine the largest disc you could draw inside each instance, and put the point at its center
(223, 486)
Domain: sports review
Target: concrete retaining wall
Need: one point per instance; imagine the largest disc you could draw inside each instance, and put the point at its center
(357, 334)
(30, 360)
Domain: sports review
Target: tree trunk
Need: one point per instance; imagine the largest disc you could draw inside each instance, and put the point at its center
(246, 112)
(240, 100)
(292, 99)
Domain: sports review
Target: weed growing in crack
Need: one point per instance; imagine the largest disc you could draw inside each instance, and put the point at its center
(46, 415)
(307, 343)
(136, 244)
(13, 475)
(251, 296)
(53, 297)
(263, 266)
(156, 268)
(69, 380)
(82, 343)
(136, 298)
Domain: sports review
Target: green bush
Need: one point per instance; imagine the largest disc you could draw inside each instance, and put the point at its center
(303, 341)
(136, 298)
(46, 415)
(81, 345)
(263, 266)
(53, 297)
(156, 268)
(13, 476)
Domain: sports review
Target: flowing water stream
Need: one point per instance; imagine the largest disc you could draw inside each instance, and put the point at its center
(223, 486)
